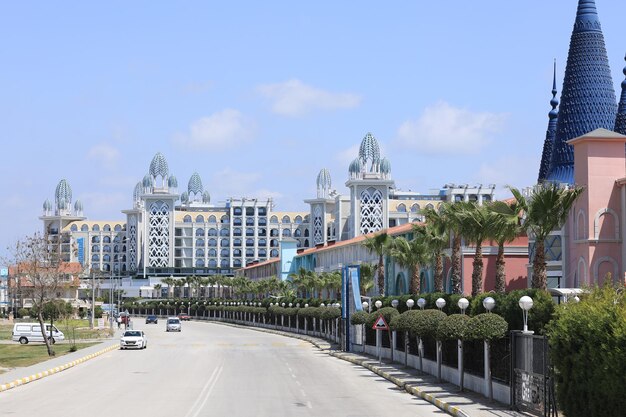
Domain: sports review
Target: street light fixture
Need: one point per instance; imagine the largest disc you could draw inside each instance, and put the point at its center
(378, 304)
(366, 306)
(526, 303)
(489, 303)
(441, 303)
(410, 303)
(463, 304)
(394, 303)
(421, 303)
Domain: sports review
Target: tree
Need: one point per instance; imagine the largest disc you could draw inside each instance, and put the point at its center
(157, 288)
(545, 210)
(43, 274)
(435, 237)
(506, 228)
(451, 214)
(366, 282)
(410, 254)
(478, 222)
(378, 245)
(170, 281)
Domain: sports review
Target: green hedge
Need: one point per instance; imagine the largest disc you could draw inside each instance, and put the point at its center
(588, 351)
(452, 327)
(425, 323)
(359, 317)
(486, 326)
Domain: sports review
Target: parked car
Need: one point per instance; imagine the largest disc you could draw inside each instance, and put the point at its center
(173, 325)
(184, 317)
(133, 339)
(152, 319)
(31, 332)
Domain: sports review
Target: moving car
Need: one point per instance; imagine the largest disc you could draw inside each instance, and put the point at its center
(184, 317)
(152, 319)
(31, 332)
(173, 325)
(133, 339)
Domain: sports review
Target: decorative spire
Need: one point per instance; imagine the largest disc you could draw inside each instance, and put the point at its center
(63, 195)
(369, 151)
(158, 166)
(550, 133)
(323, 183)
(588, 98)
(620, 120)
(206, 197)
(195, 185)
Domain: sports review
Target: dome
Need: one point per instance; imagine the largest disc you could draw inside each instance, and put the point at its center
(184, 197)
(385, 166)
(323, 179)
(195, 184)
(369, 150)
(147, 181)
(47, 206)
(62, 205)
(206, 197)
(63, 193)
(78, 206)
(158, 166)
(138, 191)
(172, 182)
(355, 166)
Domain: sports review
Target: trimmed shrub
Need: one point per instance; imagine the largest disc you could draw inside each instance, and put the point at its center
(359, 317)
(424, 323)
(307, 311)
(587, 341)
(486, 326)
(329, 313)
(453, 326)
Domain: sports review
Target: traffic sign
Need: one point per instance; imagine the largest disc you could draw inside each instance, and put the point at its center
(380, 324)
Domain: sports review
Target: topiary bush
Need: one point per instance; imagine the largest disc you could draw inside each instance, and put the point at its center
(453, 326)
(588, 350)
(330, 313)
(359, 317)
(486, 326)
(424, 323)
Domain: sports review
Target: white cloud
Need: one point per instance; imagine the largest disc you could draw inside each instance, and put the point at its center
(225, 129)
(294, 98)
(104, 154)
(346, 156)
(508, 170)
(444, 128)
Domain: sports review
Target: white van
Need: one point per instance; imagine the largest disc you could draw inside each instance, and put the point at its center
(31, 332)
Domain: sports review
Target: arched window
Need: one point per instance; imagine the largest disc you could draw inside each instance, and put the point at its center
(212, 219)
(187, 219)
(415, 208)
(249, 211)
(237, 242)
(95, 248)
(106, 228)
(274, 253)
(84, 228)
(224, 252)
(224, 263)
(286, 219)
(274, 233)
(212, 253)
(200, 242)
(299, 244)
(116, 249)
(200, 263)
(200, 232)
(212, 243)
(225, 232)
(95, 239)
(249, 252)
(297, 233)
(116, 258)
(273, 219)
(262, 232)
(262, 221)
(106, 239)
(236, 252)
(106, 248)
(212, 263)
(237, 263)
(306, 243)
(106, 258)
(74, 228)
(237, 221)
(199, 253)
(401, 208)
(249, 242)
(116, 239)
(224, 242)
(306, 232)
(237, 211)
(95, 228)
(224, 219)
(429, 207)
(262, 211)
(262, 242)
(249, 231)
(212, 232)
(249, 221)
(237, 231)
(274, 243)
(298, 219)
(95, 257)
(117, 228)
(199, 218)
(286, 233)
(262, 253)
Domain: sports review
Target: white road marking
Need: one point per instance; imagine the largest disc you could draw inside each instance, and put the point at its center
(200, 402)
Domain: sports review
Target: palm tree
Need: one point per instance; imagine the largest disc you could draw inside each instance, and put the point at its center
(410, 254)
(170, 281)
(378, 245)
(157, 288)
(301, 280)
(544, 211)
(478, 228)
(506, 228)
(454, 219)
(435, 236)
(366, 282)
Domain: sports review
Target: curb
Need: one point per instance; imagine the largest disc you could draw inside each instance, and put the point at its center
(413, 390)
(56, 369)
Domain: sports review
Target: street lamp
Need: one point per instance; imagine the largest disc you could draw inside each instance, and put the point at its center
(410, 303)
(290, 305)
(306, 306)
(489, 303)
(322, 305)
(526, 303)
(366, 306)
(421, 303)
(378, 304)
(463, 304)
(394, 303)
(441, 303)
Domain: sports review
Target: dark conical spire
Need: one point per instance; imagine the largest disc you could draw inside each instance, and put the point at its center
(550, 133)
(588, 98)
(620, 120)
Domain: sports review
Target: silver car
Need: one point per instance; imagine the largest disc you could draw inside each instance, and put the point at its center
(173, 325)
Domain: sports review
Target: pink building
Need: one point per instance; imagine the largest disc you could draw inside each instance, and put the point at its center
(595, 230)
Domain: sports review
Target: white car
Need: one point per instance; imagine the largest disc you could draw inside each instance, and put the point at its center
(173, 325)
(134, 339)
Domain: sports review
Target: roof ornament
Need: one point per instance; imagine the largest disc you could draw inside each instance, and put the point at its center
(206, 197)
(323, 183)
(620, 120)
(369, 151)
(63, 195)
(385, 167)
(194, 187)
(158, 166)
(550, 133)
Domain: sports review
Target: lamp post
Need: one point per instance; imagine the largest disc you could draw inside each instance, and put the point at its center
(394, 303)
(489, 303)
(378, 305)
(421, 303)
(526, 303)
(409, 303)
(441, 303)
(366, 306)
(463, 303)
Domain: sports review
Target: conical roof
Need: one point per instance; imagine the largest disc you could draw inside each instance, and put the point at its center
(588, 98)
(158, 166)
(195, 184)
(63, 194)
(323, 179)
(620, 120)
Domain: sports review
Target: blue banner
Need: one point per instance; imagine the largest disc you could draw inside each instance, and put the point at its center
(355, 280)
(81, 250)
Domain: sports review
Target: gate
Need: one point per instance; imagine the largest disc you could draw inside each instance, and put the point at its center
(532, 385)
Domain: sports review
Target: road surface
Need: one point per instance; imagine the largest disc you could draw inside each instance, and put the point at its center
(214, 370)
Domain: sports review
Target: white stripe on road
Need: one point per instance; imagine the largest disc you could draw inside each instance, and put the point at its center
(200, 402)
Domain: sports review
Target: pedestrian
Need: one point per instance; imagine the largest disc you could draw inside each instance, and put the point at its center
(119, 322)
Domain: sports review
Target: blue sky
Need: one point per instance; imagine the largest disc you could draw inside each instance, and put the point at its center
(257, 97)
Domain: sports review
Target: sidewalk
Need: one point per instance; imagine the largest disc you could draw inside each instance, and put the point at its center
(443, 395)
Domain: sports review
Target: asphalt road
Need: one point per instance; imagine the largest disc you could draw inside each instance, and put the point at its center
(214, 370)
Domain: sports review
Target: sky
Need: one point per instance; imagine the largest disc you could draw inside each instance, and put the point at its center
(257, 97)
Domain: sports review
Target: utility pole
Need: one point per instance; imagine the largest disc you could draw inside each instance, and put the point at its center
(93, 300)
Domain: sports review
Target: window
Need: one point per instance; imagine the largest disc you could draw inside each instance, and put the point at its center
(95, 248)
(401, 208)
(212, 263)
(199, 218)
(249, 221)
(212, 232)
(187, 219)
(74, 228)
(106, 248)
(237, 221)
(262, 221)
(415, 208)
(274, 253)
(95, 258)
(224, 242)
(224, 263)
(286, 233)
(95, 228)
(212, 242)
(224, 219)
(237, 263)
(286, 219)
(237, 211)
(212, 253)
(273, 219)
(262, 242)
(262, 211)
(236, 231)
(274, 243)
(117, 228)
(200, 263)
(297, 233)
(298, 219)
(95, 239)
(200, 232)
(249, 231)
(199, 253)
(237, 242)
(199, 242)
(212, 219)
(106, 239)
(249, 242)
(249, 252)
(224, 252)
(274, 233)
(249, 211)
(225, 232)
(84, 228)
(236, 252)
(262, 253)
